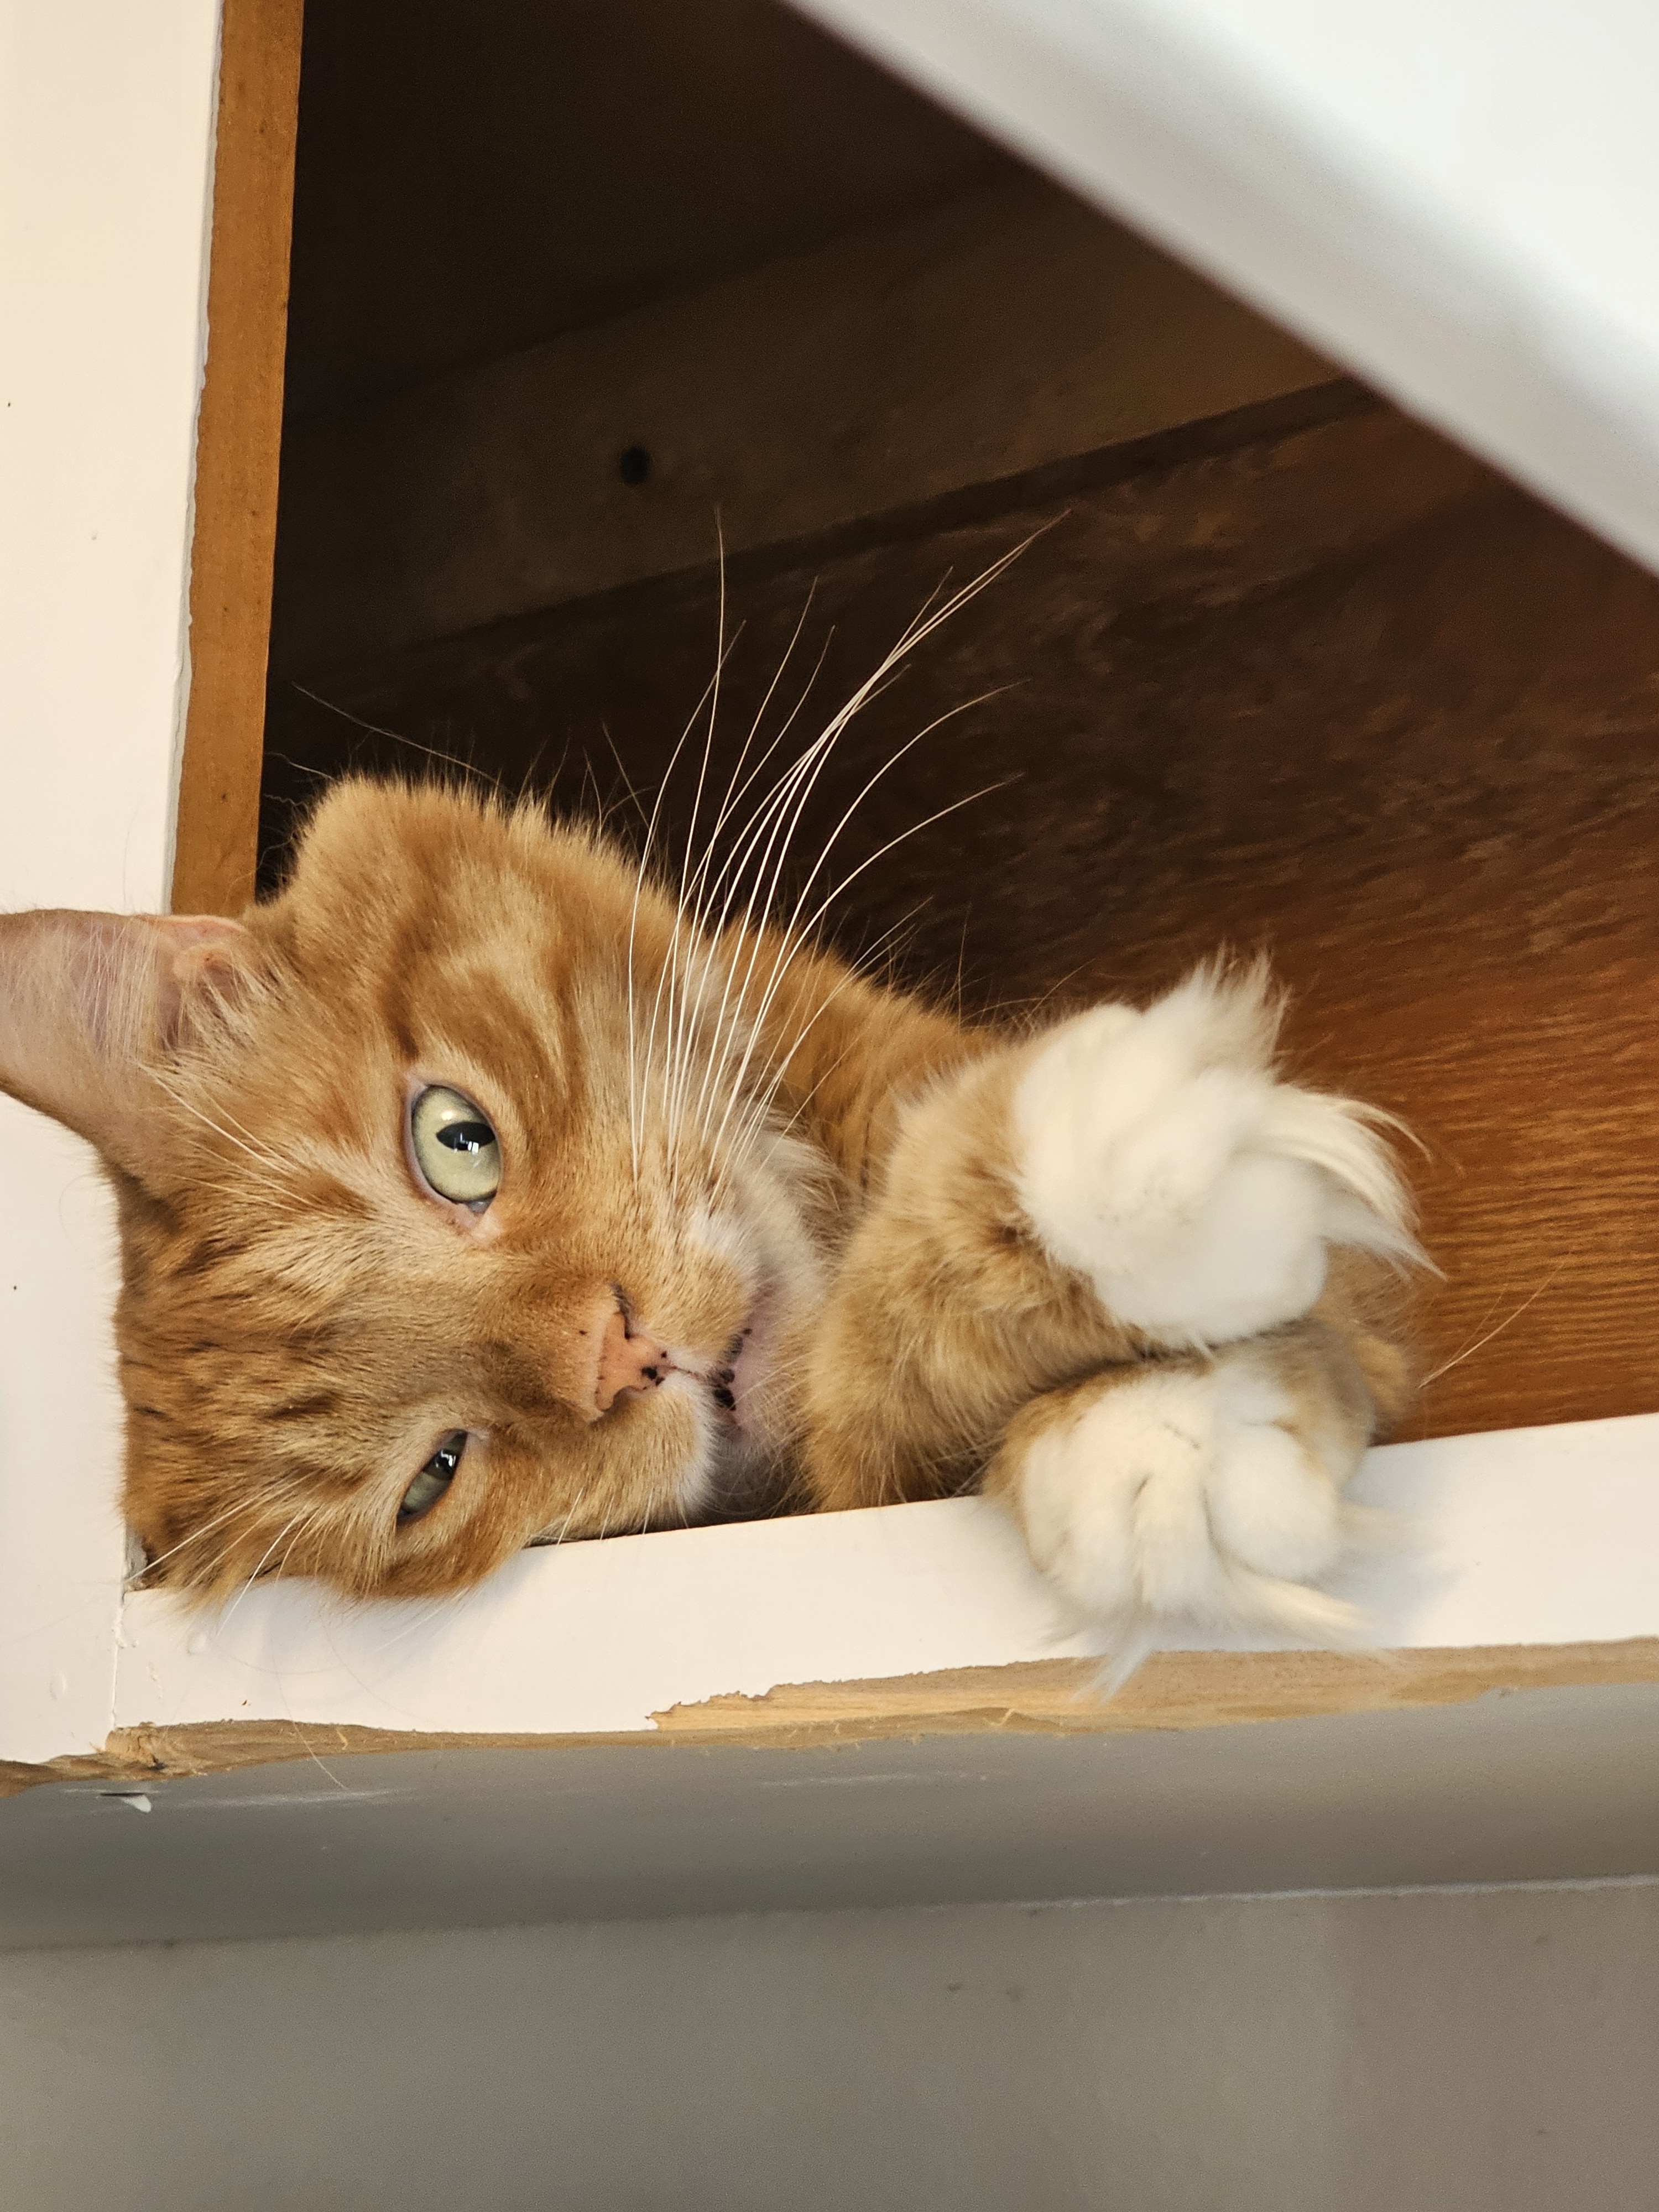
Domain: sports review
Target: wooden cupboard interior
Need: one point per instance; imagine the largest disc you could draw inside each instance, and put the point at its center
(575, 288)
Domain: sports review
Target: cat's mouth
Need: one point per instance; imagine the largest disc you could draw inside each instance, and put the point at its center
(732, 1378)
(747, 1362)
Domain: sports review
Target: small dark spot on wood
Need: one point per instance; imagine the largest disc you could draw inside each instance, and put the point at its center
(633, 464)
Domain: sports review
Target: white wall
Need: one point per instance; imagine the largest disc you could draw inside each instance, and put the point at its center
(1480, 2052)
(106, 112)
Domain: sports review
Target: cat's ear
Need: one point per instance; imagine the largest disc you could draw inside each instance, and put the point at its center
(93, 1007)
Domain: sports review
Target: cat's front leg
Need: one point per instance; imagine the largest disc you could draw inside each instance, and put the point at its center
(1157, 1155)
(1158, 1264)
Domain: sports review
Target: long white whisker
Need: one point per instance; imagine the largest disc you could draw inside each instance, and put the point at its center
(795, 932)
(798, 783)
(679, 1028)
(231, 1513)
(225, 1619)
(779, 815)
(633, 914)
(745, 1134)
(707, 887)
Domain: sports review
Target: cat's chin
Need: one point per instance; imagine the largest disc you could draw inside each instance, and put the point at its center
(756, 1359)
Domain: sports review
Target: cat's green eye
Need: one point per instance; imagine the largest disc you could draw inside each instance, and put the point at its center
(454, 1147)
(433, 1479)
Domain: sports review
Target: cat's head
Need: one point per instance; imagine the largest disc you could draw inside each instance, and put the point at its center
(449, 1217)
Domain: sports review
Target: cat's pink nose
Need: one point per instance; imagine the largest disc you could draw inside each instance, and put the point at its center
(629, 1360)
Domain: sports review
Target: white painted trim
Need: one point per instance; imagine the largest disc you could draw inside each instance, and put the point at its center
(1455, 197)
(107, 114)
(1531, 1536)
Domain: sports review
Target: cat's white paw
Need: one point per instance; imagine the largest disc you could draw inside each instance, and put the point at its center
(1191, 1494)
(1158, 1157)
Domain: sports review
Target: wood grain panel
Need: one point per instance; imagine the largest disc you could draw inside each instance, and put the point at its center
(238, 447)
(1341, 694)
(819, 389)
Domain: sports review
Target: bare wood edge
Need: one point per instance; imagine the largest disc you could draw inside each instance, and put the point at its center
(1173, 1690)
(237, 453)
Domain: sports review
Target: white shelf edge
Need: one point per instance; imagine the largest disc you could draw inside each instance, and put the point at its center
(1529, 1537)
(1455, 207)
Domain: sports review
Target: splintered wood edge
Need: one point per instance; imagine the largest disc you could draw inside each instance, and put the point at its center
(1171, 1690)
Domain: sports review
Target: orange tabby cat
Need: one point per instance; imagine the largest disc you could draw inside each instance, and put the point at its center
(474, 1190)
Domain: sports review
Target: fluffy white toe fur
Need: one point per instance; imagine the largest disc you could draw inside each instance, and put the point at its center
(1159, 1156)
(1191, 1493)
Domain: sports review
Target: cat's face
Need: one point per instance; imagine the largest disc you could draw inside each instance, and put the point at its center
(436, 1238)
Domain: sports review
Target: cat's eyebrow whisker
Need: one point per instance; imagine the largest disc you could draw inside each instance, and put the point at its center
(633, 914)
(777, 818)
(707, 888)
(397, 738)
(919, 629)
(797, 933)
(679, 1019)
(777, 821)
(746, 1134)
(637, 802)
(771, 821)
(274, 1159)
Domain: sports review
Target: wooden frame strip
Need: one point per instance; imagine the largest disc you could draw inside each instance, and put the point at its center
(238, 453)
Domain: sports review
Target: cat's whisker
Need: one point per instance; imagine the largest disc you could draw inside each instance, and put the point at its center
(244, 1505)
(677, 1035)
(564, 1528)
(275, 1495)
(920, 628)
(397, 738)
(747, 1132)
(730, 871)
(768, 822)
(796, 934)
(225, 1618)
(779, 822)
(634, 911)
(771, 821)
(306, 1523)
(1481, 1342)
(687, 904)
(635, 800)
(708, 887)
(778, 815)
(736, 792)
